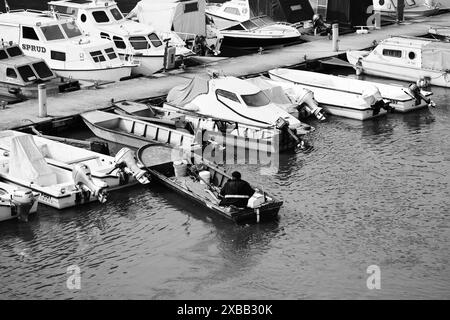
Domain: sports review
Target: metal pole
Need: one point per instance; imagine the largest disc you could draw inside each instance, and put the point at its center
(400, 10)
(42, 95)
(335, 32)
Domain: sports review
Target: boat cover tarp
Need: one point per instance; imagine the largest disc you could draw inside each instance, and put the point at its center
(184, 16)
(182, 95)
(27, 162)
(292, 11)
(436, 56)
(275, 93)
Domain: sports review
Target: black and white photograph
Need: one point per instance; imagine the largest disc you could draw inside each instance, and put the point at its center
(224, 155)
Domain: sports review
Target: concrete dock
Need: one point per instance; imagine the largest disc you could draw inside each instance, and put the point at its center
(73, 103)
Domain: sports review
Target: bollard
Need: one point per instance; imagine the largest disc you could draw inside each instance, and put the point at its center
(400, 10)
(335, 32)
(42, 96)
(377, 19)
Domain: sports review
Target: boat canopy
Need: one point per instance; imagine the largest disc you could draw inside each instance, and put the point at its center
(436, 56)
(292, 11)
(180, 96)
(275, 93)
(252, 24)
(183, 16)
(27, 162)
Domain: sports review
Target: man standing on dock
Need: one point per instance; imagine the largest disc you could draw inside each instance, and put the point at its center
(236, 192)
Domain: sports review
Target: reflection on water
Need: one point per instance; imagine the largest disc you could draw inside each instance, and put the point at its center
(374, 192)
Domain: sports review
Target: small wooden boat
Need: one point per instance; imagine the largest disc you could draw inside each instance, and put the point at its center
(16, 203)
(117, 173)
(133, 132)
(441, 33)
(25, 166)
(158, 161)
(223, 132)
(401, 99)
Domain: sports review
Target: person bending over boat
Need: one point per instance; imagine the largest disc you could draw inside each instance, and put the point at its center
(236, 192)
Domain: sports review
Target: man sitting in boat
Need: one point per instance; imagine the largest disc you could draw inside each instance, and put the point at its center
(236, 192)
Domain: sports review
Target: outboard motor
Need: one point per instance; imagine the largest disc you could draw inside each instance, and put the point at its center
(304, 97)
(282, 125)
(22, 201)
(82, 178)
(320, 27)
(373, 97)
(126, 161)
(414, 90)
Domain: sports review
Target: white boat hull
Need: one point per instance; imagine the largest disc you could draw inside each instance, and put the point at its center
(6, 212)
(148, 65)
(103, 75)
(391, 71)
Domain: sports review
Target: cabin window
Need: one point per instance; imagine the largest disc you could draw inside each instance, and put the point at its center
(120, 44)
(29, 33)
(83, 18)
(256, 100)
(100, 16)
(154, 39)
(392, 53)
(232, 10)
(52, 33)
(226, 94)
(65, 10)
(98, 56)
(42, 70)
(57, 55)
(111, 53)
(11, 73)
(105, 36)
(191, 7)
(27, 73)
(139, 43)
(116, 14)
(411, 55)
(71, 30)
(3, 55)
(14, 51)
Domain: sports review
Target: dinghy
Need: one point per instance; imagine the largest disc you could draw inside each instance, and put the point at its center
(406, 58)
(129, 131)
(117, 172)
(200, 182)
(25, 166)
(224, 133)
(335, 95)
(16, 203)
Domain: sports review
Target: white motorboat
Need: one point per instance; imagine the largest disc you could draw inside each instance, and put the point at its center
(406, 58)
(413, 8)
(294, 99)
(25, 166)
(337, 96)
(103, 19)
(59, 41)
(20, 74)
(230, 99)
(228, 13)
(16, 203)
(117, 172)
(401, 99)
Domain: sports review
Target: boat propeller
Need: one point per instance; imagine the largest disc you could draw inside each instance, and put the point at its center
(82, 178)
(126, 161)
(22, 201)
(414, 91)
(373, 97)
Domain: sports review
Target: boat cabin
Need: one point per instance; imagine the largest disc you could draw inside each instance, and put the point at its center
(18, 69)
(102, 18)
(413, 52)
(253, 24)
(234, 10)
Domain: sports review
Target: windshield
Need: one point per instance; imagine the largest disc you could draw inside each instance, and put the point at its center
(14, 51)
(116, 14)
(71, 30)
(256, 100)
(42, 70)
(3, 55)
(139, 43)
(154, 39)
(26, 73)
(52, 32)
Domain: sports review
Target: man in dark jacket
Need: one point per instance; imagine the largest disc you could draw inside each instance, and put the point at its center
(236, 192)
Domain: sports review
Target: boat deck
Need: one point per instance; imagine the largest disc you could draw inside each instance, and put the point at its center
(74, 103)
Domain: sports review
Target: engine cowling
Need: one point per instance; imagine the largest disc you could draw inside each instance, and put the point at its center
(373, 98)
(23, 201)
(82, 178)
(125, 159)
(305, 97)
